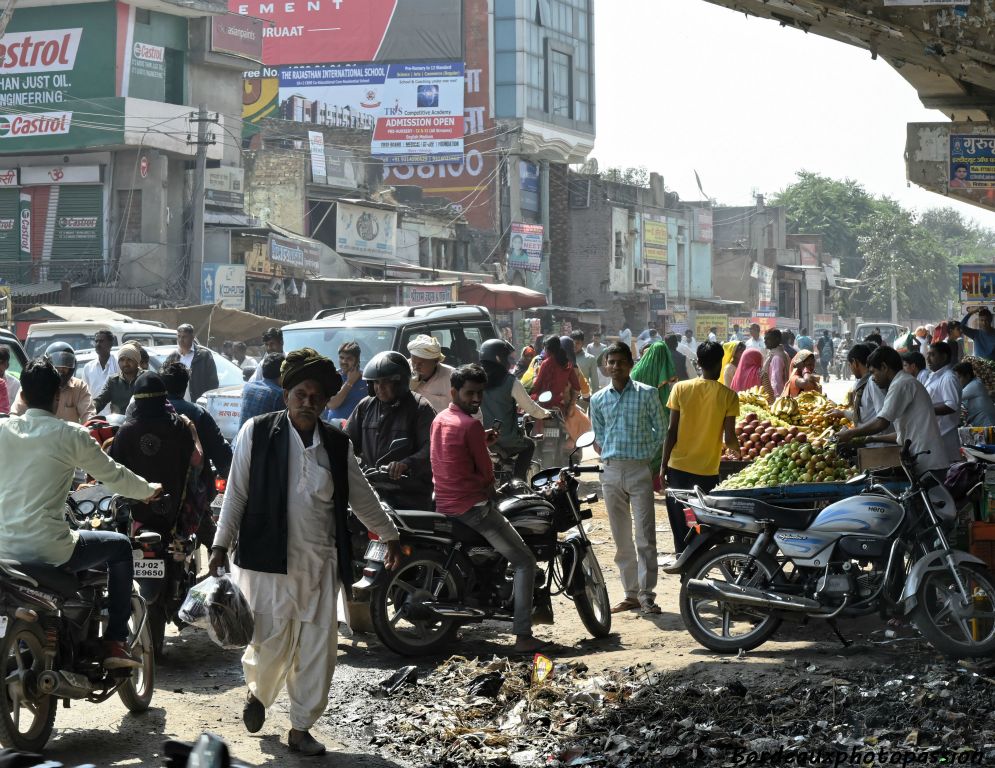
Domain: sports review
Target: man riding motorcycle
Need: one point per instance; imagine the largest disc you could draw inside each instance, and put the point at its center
(392, 413)
(503, 396)
(75, 401)
(42, 452)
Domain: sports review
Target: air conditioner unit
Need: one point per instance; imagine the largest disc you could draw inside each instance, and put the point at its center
(642, 276)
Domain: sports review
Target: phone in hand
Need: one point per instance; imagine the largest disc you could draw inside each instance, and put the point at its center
(496, 425)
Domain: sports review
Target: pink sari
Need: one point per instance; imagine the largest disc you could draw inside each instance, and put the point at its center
(748, 371)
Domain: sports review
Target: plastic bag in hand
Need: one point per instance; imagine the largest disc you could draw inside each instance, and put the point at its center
(217, 605)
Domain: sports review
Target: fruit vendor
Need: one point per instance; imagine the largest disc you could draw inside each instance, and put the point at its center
(774, 374)
(702, 412)
(907, 408)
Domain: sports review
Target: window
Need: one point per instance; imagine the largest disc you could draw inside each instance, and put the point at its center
(143, 16)
(787, 302)
(619, 251)
(560, 100)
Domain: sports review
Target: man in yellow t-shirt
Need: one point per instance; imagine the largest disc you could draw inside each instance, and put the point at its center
(701, 411)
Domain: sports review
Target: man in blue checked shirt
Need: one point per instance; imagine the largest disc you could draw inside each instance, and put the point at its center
(266, 394)
(629, 428)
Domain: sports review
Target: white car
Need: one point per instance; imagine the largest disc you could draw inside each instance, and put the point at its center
(229, 374)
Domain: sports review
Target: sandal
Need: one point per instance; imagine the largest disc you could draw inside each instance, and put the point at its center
(629, 604)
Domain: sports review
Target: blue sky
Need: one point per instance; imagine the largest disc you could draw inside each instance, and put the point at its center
(686, 85)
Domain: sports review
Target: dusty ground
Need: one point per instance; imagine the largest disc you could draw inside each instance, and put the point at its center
(200, 686)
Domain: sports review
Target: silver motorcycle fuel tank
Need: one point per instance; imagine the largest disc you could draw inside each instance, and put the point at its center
(867, 513)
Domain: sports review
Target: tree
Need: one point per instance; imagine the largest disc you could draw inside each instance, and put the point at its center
(816, 204)
(636, 177)
(892, 242)
(963, 241)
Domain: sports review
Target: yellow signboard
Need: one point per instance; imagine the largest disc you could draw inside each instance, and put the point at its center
(703, 324)
(655, 240)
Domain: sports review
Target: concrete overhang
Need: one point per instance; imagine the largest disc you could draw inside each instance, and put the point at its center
(543, 141)
(946, 54)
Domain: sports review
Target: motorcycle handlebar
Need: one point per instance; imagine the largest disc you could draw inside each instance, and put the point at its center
(588, 468)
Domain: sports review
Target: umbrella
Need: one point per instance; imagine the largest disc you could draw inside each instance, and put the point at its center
(499, 297)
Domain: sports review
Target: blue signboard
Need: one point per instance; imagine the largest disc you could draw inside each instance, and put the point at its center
(972, 161)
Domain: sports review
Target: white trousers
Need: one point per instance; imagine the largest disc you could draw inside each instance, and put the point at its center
(298, 654)
(628, 492)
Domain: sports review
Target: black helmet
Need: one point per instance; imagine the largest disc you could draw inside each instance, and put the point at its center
(388, 365)
(61, 354)
(496, 351)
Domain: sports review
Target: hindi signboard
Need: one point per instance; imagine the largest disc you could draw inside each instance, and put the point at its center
(972, 161)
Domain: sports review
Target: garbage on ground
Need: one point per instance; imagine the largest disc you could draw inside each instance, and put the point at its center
(471, 713)
(403, 676)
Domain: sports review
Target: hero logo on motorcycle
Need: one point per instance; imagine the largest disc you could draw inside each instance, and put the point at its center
(41, 124)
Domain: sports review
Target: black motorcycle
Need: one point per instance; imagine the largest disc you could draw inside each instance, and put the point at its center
(50, 622)
(165, 571)
(450, 575)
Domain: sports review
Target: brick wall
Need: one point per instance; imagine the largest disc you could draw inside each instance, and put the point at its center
(275, 187)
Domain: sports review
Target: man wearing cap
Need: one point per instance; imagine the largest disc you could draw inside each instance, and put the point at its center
(293, 481)
(430, 376)
(200, 361)
(120, 387)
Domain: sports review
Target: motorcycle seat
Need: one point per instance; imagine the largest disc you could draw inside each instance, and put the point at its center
(782, 517)
(49, 577)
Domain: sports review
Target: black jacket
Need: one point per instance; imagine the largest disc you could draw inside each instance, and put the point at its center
(215, 446)
(262, 537)
(203, 371)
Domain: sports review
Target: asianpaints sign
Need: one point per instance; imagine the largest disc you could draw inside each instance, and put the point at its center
(52, 50)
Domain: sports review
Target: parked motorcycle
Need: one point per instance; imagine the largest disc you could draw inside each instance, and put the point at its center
(752, 565)
(450, 575)
(50, 622)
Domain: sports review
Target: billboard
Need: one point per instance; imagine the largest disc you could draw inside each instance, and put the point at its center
(702, 225)
(299, 254)
(223, 284)
(525, 247)
(238, 36)
(977, 283)
(336, 31)
(972, 161)
(415, 110)
(364, 231)
(704, 323)
(655, 239)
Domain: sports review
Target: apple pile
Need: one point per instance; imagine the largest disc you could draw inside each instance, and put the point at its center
(760, 437)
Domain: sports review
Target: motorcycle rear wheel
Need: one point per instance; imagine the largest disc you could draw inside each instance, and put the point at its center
(593, 605)
(957, 632)
(136, 692)
(22, 651)
(415, 581)
(725, 563)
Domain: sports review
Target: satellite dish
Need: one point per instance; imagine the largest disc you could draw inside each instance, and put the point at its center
(590, 167)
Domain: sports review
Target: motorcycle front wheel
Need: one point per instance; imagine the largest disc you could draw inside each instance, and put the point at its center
(398, 609)
(136, 692)
(592, 604)
(721, 626)
(26, 717)
(954, 629)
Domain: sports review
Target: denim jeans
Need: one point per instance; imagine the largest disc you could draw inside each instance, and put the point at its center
(486, 520)
(93, 550)
(680, 480)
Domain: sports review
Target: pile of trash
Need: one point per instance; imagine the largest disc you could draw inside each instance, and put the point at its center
(540, 713)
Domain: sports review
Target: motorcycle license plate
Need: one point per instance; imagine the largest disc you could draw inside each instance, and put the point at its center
(376, 550)
(148, 569)
(551, 432)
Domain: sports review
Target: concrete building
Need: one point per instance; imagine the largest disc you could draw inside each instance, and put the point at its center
(96, 146)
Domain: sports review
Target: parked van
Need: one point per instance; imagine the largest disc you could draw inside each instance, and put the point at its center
(79, 334)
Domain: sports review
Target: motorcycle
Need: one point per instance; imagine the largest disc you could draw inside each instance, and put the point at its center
(50, 621)
(504, 461)
(840, 367)
(165, 571)
(751, 565)
(451, 576)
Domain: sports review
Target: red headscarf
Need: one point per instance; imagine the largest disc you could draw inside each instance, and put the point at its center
(748, 371)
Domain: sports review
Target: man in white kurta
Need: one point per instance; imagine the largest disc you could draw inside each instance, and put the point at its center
(294, 641)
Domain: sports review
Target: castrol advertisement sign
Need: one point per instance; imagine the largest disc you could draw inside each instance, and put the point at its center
(50, 50)
(40, 124)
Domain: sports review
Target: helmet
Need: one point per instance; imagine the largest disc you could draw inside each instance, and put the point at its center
(496, 351)
(61, 355)
(388, 365)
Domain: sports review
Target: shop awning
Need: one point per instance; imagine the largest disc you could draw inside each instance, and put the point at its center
(371, 262)
(715, 301)
(50, 312)
(568, 310)
(210, 320)
(501, 297)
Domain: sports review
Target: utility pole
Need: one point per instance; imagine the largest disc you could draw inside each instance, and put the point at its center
(8, 11)
(195, 263)
(894, 300)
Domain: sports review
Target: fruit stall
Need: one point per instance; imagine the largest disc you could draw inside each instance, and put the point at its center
(786, 443)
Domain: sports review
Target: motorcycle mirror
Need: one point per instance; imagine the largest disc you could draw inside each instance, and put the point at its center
(396, 449)
(545, 397)
(586, 440)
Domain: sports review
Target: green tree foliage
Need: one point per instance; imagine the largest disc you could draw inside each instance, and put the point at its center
(875, 236)
(637, 177)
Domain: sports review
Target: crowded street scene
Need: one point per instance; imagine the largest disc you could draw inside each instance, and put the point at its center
(373, 394)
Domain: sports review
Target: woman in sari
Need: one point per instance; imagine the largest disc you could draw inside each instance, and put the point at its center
(656, 369)
(748, 370)
(732, 352)
(574, 419)
(802, 377)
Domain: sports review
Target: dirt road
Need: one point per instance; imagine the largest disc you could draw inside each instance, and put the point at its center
(200, 686)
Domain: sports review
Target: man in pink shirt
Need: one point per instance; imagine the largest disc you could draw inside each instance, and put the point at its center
(464, 488)
(774, 374)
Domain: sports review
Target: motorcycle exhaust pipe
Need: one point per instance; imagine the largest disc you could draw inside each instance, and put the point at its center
(64, 685)
(707, 589)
